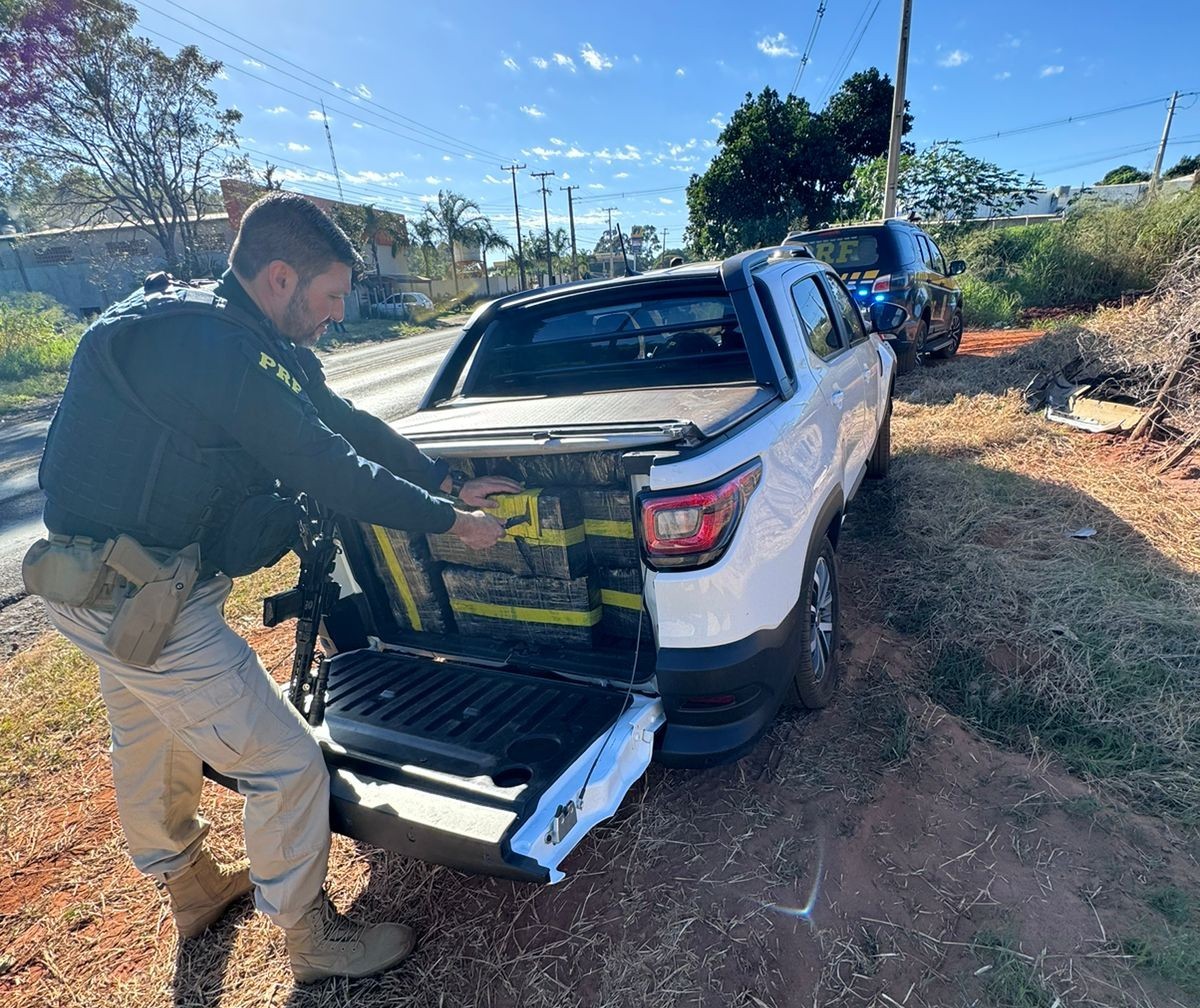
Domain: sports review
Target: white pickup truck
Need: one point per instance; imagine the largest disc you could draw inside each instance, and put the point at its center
(723, 414)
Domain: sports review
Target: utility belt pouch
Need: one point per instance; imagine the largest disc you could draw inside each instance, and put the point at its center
(144, 619)
(67, 570)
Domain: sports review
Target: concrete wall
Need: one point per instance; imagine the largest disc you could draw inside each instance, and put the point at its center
(88, 270)
(473, 287)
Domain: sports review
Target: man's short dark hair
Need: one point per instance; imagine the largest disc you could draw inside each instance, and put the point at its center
(293, 228)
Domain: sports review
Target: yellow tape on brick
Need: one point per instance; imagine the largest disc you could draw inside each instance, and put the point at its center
(525, 614)
(608, 529)
(398, 578)
(625, 600)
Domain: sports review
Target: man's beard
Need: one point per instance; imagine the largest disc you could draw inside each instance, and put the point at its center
(298, 325)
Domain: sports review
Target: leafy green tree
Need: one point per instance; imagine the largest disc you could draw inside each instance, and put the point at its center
(777, 163)
(121, 128)
(942, 184)
(488, 239)
(1185, 166)
(1123, 175)
(859, 114)
(450, 218)
(431, 256)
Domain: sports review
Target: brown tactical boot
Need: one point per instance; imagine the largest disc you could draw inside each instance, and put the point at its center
(201, 893)
(326, 944)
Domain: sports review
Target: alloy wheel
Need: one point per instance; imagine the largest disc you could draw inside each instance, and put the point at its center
(821, 619)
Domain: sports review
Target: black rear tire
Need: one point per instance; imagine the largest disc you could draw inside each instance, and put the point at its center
(907, 361)
(881, 458)
(816, 676)
(956, 333)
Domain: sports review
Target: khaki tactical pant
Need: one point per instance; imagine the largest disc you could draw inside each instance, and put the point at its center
(208, 699)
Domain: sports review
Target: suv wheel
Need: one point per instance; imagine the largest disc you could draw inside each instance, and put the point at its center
(816, 666)
(907, 361)
(955, 334)
(881, 457)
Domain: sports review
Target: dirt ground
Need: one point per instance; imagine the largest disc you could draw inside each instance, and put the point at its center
(994, 342)
(878, 853)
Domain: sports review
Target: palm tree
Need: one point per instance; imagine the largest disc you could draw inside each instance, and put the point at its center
(489, 240)
(451, 218)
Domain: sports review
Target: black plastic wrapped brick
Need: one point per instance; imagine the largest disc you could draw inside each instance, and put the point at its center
(542, 611)
(415, 591)
(621, 601)
(551, 544)
(608, 522)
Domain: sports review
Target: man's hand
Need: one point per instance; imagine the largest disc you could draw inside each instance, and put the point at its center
(477, 493)
(476, 529)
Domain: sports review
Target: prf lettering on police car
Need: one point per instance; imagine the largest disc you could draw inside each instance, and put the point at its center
(268, 363)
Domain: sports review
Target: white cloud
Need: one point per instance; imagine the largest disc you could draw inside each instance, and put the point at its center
(565, 176)
(222, 75)
(564, 61)
(532, 111)
(629, 154)
(556, 141)
(664, 201)
(447, 157)
(540, 63)
(492, 180)
(357, 125)
(621, 174)
(363, 91)
(277, 110)
(708, 144)
(293, 146)
(315, 115)
(574, 152)
(716, 121)
(680, 72)
(542, 152)
(252, 63)
(512, 64)
(434, 180)
(373, 176)
(596, 60)
(954, 59)
(1050, 71)
(1002, 75)
(685, 166)
(595, 185)
(937, 87)
(637, 58)
(776, 45)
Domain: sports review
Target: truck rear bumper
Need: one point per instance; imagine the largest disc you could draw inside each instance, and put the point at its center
(720, 700)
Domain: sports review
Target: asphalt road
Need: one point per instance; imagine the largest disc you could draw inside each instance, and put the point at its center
(387, 379)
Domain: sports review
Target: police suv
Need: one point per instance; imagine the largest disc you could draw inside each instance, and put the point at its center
(689, 440)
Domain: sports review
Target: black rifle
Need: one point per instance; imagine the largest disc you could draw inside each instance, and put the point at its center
(309, 602)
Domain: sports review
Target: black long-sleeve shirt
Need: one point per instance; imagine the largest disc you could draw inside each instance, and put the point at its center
(217, 383)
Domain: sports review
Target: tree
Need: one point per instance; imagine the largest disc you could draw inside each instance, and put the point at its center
(942, 184)
(489, 240)
(1123, 175)
(450, 219)
(124, 129)
(859, 115)
(777, 164)
(1185, 166)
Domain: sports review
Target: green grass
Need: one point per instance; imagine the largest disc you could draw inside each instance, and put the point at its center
(1172, 953)
(1011, 981)
(23, 393)
(36, 335)
(1176, 905)
(987, 305)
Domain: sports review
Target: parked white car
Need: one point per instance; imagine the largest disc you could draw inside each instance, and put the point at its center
(726, 413)
(402, 305)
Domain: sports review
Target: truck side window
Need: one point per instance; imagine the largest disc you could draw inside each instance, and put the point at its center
(939, 260)
(819, 331)
(851, 316)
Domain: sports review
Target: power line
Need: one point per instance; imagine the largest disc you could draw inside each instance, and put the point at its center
(812, 37)
(632, 192)
(835, 78)
(428, 131)
(1033, 127)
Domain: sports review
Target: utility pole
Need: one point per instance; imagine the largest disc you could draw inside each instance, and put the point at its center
(571, 212)
(662, 255)
(514, 168)
(1162, 147)
(541, 176)
(893, 162)
(612, 245)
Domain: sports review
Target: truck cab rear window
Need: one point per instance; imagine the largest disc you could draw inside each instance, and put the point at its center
(632, 344)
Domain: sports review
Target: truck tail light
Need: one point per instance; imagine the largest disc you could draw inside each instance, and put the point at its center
(891, 282)
(691, 528)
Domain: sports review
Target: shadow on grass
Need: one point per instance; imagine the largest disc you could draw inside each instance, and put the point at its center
(201, 962)
(1087, 647)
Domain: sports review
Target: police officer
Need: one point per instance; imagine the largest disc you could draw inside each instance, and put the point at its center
(184, 412)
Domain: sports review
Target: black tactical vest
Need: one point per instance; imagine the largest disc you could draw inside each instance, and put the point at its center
(111, 465)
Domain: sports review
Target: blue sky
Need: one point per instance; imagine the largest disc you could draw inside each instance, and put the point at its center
(625, 100)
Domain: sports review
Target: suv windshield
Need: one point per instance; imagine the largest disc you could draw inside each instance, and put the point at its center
(854, 249)
(596, 342)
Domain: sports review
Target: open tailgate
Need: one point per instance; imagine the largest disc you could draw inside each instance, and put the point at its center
(477, 768)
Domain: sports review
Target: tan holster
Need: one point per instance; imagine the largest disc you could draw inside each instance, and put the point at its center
(144, 591)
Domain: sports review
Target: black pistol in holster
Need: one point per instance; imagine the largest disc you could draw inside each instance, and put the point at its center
(145, 618)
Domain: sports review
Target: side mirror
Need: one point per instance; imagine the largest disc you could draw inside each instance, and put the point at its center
(957, 266)
(887, 318)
